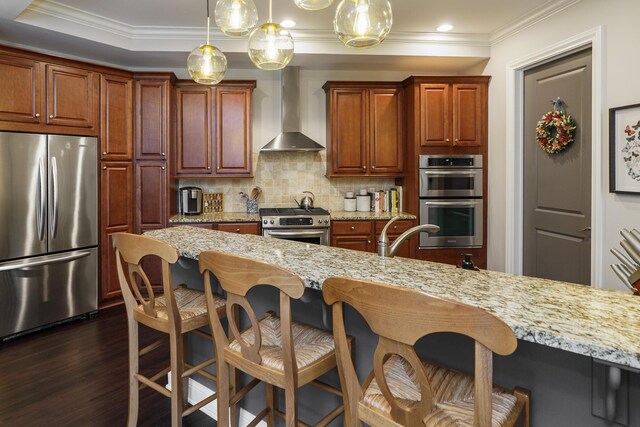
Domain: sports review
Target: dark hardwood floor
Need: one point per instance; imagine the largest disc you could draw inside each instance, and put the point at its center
(75, 374)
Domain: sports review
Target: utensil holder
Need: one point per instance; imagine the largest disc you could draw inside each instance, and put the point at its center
(252, 206)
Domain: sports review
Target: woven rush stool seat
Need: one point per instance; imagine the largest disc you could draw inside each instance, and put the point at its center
(452, 394)
(402, 389)
(190, 302)
(309, 344)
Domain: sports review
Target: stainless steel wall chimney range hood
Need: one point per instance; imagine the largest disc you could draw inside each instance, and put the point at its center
(291, 139)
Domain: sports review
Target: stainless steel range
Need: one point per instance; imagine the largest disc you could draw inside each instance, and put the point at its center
(301, 225)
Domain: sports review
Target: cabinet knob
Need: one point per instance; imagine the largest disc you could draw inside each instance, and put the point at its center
(237, 230)
(448, 140)
(162, 168)
(209, 167)
(395, 227)
(162, 154)
(373, 167)
(353, 228)
(51, 116)
(368, 241)
(104, 168)
(104, 153)
(37, 115)
(364, 167)
(456, 140)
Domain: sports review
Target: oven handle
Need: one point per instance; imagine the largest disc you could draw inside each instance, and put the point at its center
(460, 173)
(296, 233)
(474, 203)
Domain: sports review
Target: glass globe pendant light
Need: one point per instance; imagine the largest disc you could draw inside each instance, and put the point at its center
(206, 64)
(313, 4)
(236, 18)
(270, 45)
(363, 23)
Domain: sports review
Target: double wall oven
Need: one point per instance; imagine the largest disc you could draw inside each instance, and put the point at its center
(301, 225)
(451, 197)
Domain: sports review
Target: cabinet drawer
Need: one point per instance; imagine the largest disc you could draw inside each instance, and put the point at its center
(351, 227)
(239, 227)
(397, 227)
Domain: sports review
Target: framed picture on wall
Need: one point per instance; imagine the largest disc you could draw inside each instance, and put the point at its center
(624, 149)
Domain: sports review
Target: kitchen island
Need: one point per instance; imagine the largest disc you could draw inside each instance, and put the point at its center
(567, 324)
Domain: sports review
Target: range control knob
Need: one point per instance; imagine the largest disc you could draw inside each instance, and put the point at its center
(319, 221)
(265, 221)
(271, 222)
(326, 221)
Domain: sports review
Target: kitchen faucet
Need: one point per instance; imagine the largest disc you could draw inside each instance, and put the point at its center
(385, 249)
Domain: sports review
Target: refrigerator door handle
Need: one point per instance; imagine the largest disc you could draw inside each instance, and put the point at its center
(42, 202)
(43, 260)
(53, 217)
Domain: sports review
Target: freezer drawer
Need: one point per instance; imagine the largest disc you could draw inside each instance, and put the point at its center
(41, 290)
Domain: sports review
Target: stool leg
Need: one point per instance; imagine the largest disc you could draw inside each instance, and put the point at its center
(223, 392)
(132, 418)
(290, 394)
(271, 404)
(177, 382)
(234, 380)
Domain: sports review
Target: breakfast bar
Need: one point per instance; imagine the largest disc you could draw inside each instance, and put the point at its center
(566, 332)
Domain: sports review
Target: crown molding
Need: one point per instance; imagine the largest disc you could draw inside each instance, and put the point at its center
(59, 17)
(529, 19)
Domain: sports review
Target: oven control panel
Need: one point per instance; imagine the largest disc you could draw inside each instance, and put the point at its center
(315, 221)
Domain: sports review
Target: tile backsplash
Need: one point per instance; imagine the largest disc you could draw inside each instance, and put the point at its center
(285, 175)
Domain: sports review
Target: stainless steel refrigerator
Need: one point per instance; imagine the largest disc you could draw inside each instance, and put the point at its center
(48, 229)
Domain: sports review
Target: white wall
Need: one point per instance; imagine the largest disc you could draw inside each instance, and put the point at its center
(622, 87)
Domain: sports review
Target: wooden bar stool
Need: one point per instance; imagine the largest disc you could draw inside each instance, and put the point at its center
(276, 350)
(176, 312)
(403, 390)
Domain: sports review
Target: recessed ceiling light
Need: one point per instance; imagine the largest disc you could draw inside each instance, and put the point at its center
(288, 23)
(444, 28)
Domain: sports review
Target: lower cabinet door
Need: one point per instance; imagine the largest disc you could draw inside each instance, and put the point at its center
(356, 243)
(110, 286)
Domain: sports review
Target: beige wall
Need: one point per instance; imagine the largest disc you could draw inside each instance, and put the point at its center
(622, 87)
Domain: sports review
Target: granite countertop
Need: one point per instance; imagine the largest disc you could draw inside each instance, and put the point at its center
(362, 216)
(216, 217)
(604, 324)
(245, 217)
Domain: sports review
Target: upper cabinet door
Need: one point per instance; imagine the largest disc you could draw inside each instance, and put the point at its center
(71, 96)
(233, 131)
(349, 131)
(20, 89)
(152, 119)
(435, 124)
(386, 117)
(467, 115)
(194, 143)
(116, 123)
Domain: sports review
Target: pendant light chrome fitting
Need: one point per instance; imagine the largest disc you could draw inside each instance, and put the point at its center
(271, 45)
(206, 64)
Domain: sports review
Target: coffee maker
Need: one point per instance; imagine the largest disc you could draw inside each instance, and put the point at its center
(191, 200)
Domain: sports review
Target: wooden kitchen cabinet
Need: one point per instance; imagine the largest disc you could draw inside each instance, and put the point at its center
(193, 124)
(72, 96)
(451, 114)
(214, 127)
(355, 235)
(151, 185)
(233, 131)
(116, 118)
(44, 97)
(152, 114)
(238, 227)
(21, 88)
(364, 129)
(116, 215)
